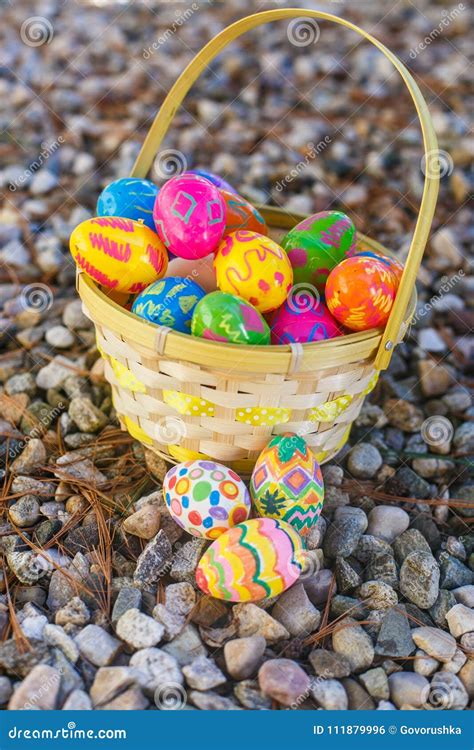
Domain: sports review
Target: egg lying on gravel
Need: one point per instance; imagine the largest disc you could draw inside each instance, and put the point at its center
(257, 559)
(205, 498)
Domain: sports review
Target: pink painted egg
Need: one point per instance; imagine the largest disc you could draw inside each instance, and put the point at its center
(301, 320)
(190, 216)
(360, 292)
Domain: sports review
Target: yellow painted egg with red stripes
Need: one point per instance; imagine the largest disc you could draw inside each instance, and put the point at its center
(118, 253)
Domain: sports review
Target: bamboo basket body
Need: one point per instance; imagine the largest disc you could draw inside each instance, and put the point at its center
(186, 398)
(185, 409)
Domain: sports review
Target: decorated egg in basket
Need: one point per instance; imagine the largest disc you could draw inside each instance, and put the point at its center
(201, 271)
(129, 197)
(317, 244)
(216, 179)
(221, 316)
(189, 216)
(258, 559)
(287, 483)
(120, 254)
(240, 214)
(395, 266)
(253, 267)
(360, 292)
(205, 498)
(170, 302)
(303, 318)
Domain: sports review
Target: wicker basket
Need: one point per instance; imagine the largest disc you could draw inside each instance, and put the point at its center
(186, 397)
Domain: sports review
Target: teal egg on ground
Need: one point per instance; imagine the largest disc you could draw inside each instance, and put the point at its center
(317, 244)
(130, 198)
(169, 302)
(221, 316)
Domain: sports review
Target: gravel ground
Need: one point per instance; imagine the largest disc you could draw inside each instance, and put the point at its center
(98, 609)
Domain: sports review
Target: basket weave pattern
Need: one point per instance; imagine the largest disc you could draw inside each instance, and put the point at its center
(185, 410)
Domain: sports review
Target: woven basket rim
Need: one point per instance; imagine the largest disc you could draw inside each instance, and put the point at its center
(276, 358)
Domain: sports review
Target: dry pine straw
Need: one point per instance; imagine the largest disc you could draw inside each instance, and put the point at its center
(115, 500)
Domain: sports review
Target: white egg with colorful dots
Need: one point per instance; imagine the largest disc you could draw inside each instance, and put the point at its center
(205, 498)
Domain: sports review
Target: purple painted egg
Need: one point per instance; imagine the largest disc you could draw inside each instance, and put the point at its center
(216, 179)
(190, 216)
(300, 321)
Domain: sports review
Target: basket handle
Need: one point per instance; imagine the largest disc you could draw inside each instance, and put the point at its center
(393, 330)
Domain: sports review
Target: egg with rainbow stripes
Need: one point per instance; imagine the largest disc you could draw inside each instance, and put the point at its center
(287, 483)
(118, 253)
(205, 498)
(255, 560)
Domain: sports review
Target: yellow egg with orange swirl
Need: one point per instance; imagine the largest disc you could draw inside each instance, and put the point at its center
(255, 268)
(120, 254)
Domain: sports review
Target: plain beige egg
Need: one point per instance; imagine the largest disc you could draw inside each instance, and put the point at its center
(201, 271)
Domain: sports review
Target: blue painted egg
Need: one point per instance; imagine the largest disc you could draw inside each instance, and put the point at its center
(130, 198)
(169, 302)
(214, 178)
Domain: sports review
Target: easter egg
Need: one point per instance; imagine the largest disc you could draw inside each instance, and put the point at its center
(303, 320)
(202, 271)
(317, 244)
(254, 267)
(287, 483)
(169, 302)
(256, 559)
(205, 498)
(130, 198)
(240, 214)
(224, 317)
(189, 214)
(394, 265)
(120, 254)
(360, 292)
(214, 178)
